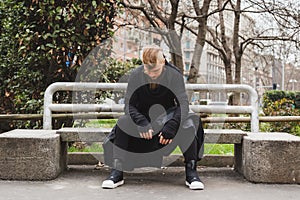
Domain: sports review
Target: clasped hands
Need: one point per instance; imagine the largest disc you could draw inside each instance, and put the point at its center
(148, 136)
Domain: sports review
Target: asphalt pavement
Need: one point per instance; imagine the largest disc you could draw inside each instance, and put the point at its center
(84, 183)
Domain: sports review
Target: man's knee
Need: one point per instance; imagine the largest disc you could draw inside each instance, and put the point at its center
(126, 125)
(124, 122)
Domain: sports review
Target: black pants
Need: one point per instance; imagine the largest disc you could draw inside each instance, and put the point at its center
(134, 151)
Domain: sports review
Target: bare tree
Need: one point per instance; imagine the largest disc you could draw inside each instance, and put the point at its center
(233, 48)
(221, 42)
(174, 20)
(201, 18)
(164, 22)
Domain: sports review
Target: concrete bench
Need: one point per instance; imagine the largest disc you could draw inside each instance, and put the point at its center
(220, 136)
(42, 155)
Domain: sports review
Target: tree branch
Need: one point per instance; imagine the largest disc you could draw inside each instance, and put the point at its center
(142, 9)
(157, 13)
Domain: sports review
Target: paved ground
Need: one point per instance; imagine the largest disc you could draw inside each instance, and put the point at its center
(83, 183)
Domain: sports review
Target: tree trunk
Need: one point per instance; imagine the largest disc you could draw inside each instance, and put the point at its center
(228, 72)
(198, 49)
(177, 61)
(227, 54)
(237, 49)
(174, 43)
(200, 40)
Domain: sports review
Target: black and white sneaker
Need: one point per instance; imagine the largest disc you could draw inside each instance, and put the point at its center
(194, 184)
(192, 179)
(114, 180)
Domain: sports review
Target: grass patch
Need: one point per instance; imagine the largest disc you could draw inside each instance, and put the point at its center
(103, 123)
(94, 147)
(219, 149)
(213, 149)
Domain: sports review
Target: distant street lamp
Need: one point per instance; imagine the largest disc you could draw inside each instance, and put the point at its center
(293, 81)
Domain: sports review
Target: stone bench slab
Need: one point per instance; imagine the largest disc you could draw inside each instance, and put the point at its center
(30, 155)
(220, 136)
(271, 158)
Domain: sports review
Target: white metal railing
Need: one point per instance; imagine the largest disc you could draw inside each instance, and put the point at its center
(49, 106)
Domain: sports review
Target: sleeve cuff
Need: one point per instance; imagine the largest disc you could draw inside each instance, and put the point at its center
(143, 129)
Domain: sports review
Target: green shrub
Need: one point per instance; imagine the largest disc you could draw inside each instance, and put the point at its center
(280, 103)
(35, 37)
(276, 95)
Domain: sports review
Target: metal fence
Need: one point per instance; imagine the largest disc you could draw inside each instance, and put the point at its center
(50, 107)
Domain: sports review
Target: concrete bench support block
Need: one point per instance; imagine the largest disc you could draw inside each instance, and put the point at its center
(271, 158)
(31, 155)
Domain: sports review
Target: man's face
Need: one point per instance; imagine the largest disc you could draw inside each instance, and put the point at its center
(156, 71)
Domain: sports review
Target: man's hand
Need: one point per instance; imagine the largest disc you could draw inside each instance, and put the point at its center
(164, 141)
(147, 135)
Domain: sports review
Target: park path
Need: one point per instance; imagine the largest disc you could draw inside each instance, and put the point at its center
(84, 183)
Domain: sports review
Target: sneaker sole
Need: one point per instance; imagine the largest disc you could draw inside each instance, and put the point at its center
(196, 186)
(109, 184)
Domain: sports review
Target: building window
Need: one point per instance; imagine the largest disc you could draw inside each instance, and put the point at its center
(187, 55)
(187, 66)
(188, 44)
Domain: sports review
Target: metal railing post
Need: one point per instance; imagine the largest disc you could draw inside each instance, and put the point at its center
(254, 114)
(48, 98)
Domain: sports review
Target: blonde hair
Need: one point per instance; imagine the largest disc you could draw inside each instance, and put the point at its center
(152, 55)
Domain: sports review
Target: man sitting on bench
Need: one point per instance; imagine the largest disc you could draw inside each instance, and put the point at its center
(156, 121)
